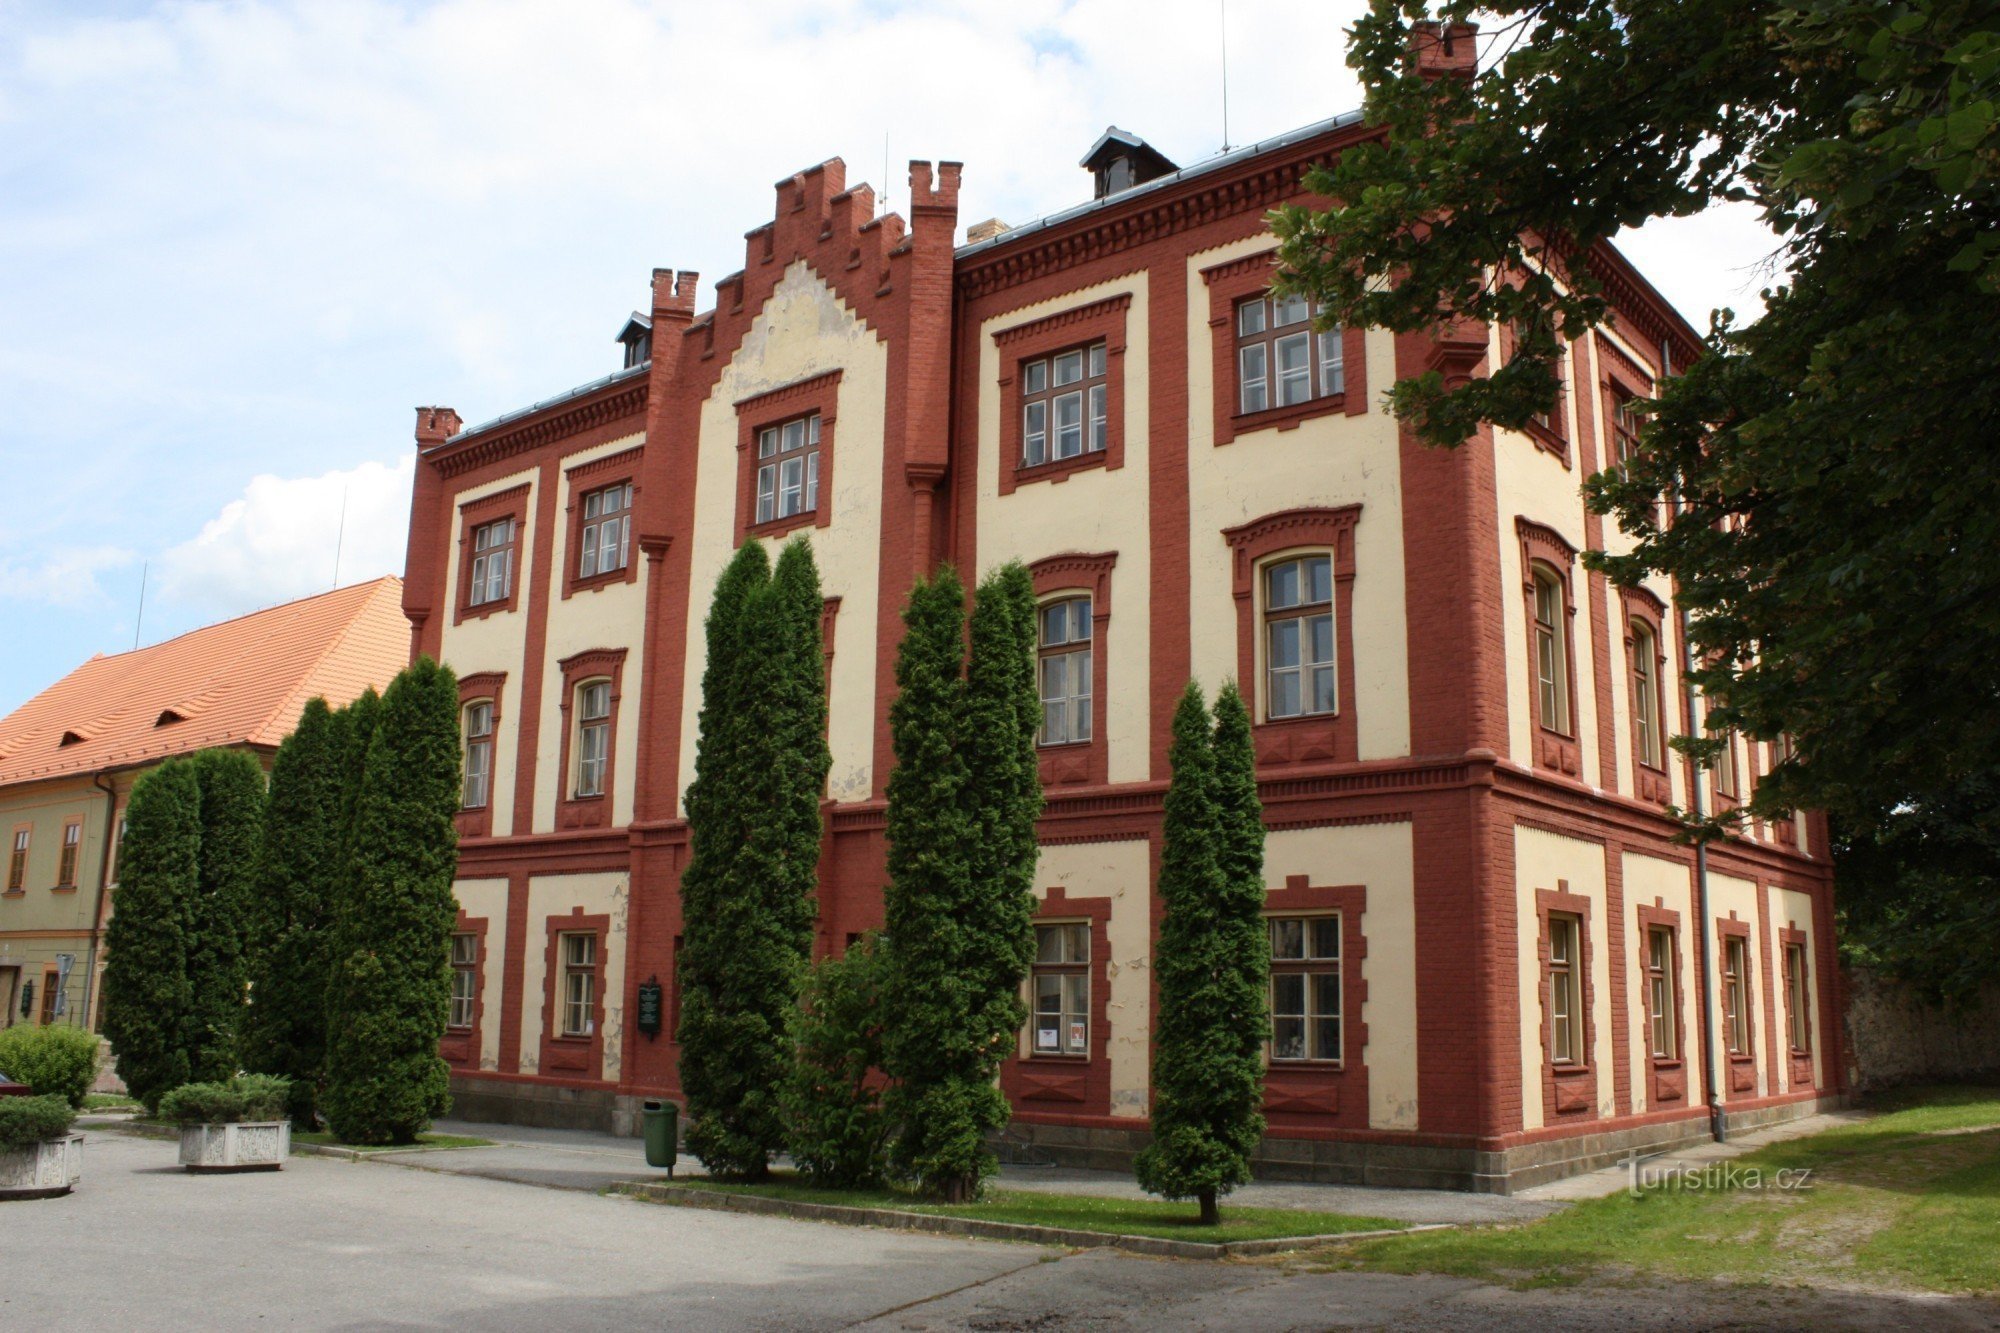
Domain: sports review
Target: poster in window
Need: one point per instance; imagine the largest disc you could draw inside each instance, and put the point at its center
(1045, 1039)
(1076, 1035)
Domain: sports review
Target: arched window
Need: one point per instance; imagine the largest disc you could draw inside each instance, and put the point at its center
(477, 720)
(1299, 662)
(1065, 650)
(1551, 651)
(593, 737)
(1646, 696)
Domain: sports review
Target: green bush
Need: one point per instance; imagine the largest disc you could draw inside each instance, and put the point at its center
(832, 1107)
(29, 1120)
(57, 1062)
(251, 1097)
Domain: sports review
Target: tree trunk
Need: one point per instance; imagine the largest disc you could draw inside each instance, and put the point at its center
(1211, 1215)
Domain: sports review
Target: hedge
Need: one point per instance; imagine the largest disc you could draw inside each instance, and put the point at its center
(26, 1121)
(251, 1097)
(55, 1061)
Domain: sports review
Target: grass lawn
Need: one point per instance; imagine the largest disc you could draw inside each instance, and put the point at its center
(1077, 1212)
(1907, 1201)
(109, 1101)
(321, 1136)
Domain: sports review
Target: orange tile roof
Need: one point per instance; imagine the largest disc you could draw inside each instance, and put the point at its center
(244, 681)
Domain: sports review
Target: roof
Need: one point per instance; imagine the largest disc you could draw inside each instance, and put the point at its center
(1115, 142)
(242, 682)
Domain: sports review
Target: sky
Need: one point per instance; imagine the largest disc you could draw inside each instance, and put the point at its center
(240, 242)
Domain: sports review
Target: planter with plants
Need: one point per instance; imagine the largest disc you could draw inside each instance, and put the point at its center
(238, 1125)
(39, 1157)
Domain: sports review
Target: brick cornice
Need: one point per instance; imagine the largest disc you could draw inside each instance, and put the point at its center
(612, 403)
(1048, 324)
(775, 400)
(625, 460)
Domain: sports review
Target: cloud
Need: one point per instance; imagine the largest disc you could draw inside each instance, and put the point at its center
(67, 576)
(279, 540)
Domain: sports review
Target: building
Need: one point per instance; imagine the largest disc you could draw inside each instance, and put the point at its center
(69, 757)
(1491, 960)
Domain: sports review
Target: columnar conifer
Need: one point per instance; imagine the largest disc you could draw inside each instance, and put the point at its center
(389, 987)
(232, 824)
(147, 1005)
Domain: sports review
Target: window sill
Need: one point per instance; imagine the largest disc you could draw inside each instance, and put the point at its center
(483, 610)
(571, 1039)
(1547, 441)
(595, 581)
(62, 888)
(778, 527)
(1058, 470)
(14, 893)
(1287, 417)
(463, 1031)
(1276, 1066)
(1045, 1057)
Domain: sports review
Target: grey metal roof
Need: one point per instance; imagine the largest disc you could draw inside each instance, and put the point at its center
(630, 372)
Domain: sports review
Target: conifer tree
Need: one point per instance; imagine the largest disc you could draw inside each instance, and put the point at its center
(389, 987)
(1212, 962)
(147, 1006)
(231, 783)
(300, 877)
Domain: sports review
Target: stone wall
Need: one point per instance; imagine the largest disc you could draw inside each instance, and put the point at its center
(1895, 1036)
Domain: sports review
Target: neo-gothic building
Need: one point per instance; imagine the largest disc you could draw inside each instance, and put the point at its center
(1491, 963)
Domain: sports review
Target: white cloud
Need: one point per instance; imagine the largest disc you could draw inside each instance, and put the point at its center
(66, 576)
(279, 540)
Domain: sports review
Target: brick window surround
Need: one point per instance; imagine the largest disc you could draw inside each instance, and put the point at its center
(1666, 1078)
(1542, 546)
(1622, 380)
(585, 479)
(481, 687)
(818, 395)
(1800, 1070)
(1740, 1080)
(572, 811)
(1649, 779)
(475, 514)
(1325, 1092)
(1101, 321)
(1552, 438)
(69, 852)
(1569, 1091)
(459, 1047)
(1074, 572)
(573, 1057)
(1317, 737)
(1232, 282)
(1069, 1084)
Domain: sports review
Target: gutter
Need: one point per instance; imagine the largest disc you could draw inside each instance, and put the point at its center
(103, 892)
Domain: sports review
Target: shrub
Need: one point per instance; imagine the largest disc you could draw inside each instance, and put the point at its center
(25, 1121)
(147, 1006)
(250, 1097)
(57, 1062)
(832, 1108)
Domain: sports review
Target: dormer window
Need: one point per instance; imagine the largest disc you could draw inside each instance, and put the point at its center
(1120, 160)
(168, 717)
(637, 337)
(69, 738)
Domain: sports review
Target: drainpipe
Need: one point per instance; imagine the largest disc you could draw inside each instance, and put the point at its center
(103, 891)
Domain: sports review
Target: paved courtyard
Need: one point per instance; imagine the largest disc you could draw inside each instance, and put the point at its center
(330, 1244)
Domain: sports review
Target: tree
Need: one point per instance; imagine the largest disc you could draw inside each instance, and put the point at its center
(389, 988)
(831, 1102)
(1829, 464)
(301, 874)
(1213, 962)
(147, 1004)
(231, 783)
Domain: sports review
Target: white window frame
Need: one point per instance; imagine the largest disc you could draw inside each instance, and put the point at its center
(492, 562)
(477, 724)
(593, 737)
(1565, 990)
(1308, 619)
(788, 469)
(1063, 668)
(1317, 964)
(1059, 990)
(605, 546)
(464, 980)
(1551, 665)
(576, 956)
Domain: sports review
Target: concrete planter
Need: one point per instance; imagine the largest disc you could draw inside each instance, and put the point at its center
(42, 1170)
(260, 1145)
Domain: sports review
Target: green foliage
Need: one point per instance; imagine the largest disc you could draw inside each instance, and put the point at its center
(750, 893)
(56, 1061)
(389, 985)
(1212, 963)
(232, 827)
(300, 879)
(834, 1124)
(147, 1009)
(962, 806)
(247, 1097)
(26, 1121)
(1833, 458)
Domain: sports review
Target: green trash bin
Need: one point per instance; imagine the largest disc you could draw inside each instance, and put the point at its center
(662, 1141)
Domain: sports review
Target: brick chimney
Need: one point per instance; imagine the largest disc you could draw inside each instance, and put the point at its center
(435, 425)
(1445, 48)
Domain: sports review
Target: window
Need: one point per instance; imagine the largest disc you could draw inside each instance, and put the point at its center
(1061, 978)
(1305, 988)
(593, 737)
(52, 994)
(1646, 695)
(788, 469)
(464, 978)
(17, 862)
(1782, 749)
(1064, 405)
(1551, 651)
(1065, 671)
(66, 863)
(1298, 637)
(492, 562)
(1280, 361)
(1735, 994)
(607, 531)
(478, 754)
(1798, 1014)
(1565, 989)
(1624, 431)
(579, 985)
(1662, 982)
(1727, 783)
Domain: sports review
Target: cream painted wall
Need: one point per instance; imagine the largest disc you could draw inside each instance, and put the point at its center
(1794, 909)
(1540, 860)
(1122, 872)
(1651, 882)
(557, 895)
(1729, 896)
(613, 616)
(488, 898)
(1326, 461)
(803, 330)
(1380, 857)
(1091, 511)
(497, 642)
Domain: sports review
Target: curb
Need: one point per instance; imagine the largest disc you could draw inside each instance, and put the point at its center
(141, 1130)
(682, 1196)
